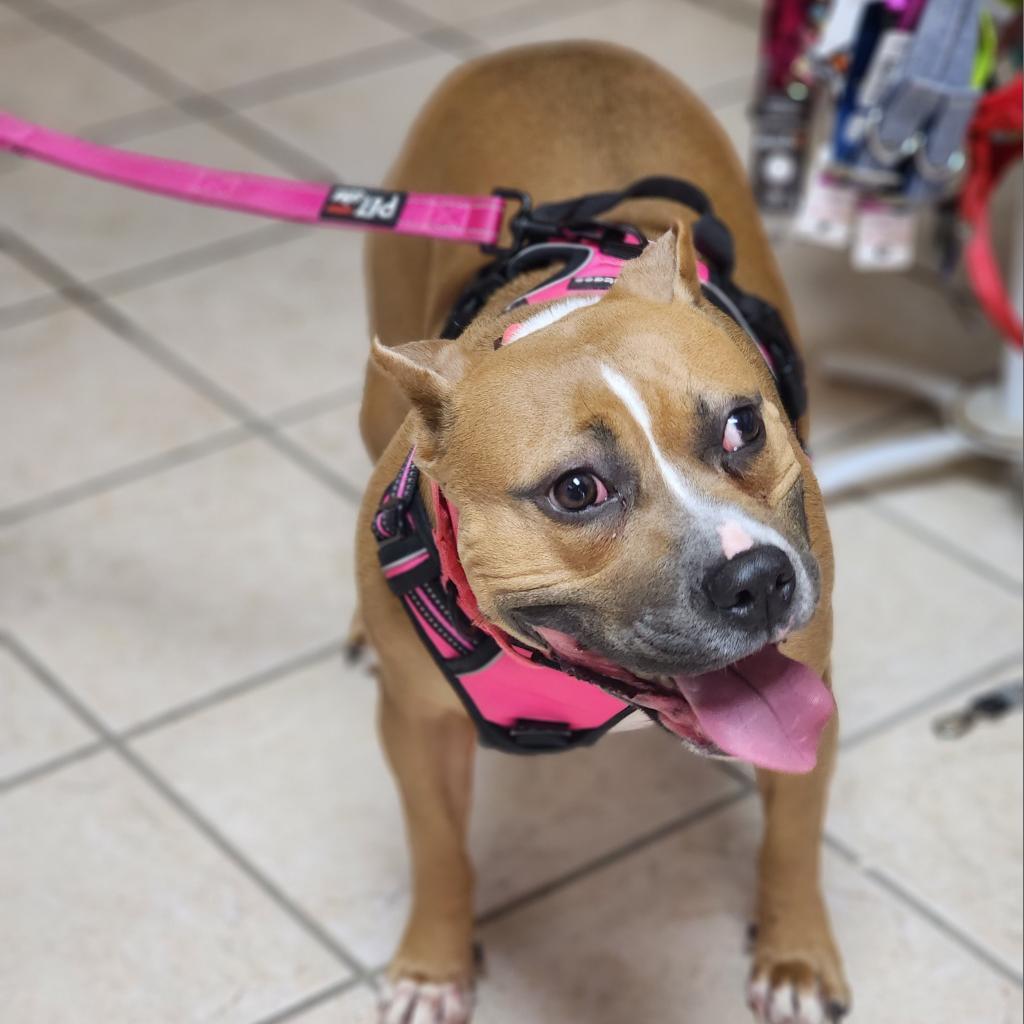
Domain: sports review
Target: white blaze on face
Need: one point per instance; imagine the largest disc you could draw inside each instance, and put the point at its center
(630, 398)
(737, 531)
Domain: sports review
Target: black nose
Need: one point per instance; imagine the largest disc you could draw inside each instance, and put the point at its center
(754, 589)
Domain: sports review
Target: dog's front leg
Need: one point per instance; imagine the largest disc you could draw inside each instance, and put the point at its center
(431, 754)
(797, 975)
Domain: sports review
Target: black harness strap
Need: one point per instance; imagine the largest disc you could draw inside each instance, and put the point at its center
(549, 234)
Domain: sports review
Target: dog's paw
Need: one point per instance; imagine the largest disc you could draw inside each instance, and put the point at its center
(796, 980)
(406, 1001)
(793, 991)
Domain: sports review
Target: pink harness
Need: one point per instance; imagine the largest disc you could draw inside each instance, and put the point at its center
(521, 701)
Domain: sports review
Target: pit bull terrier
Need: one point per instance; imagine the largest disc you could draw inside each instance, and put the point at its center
(631, 497)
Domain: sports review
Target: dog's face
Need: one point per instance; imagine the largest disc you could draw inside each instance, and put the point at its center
(630, 495)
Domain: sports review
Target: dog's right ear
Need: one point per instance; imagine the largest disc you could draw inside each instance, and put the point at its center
(666, 271)
(426, 372)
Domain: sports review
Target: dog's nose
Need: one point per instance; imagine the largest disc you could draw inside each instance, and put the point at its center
(754, 589)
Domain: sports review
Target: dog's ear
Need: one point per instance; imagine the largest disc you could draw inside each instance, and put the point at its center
(426, 373)
(666, 271)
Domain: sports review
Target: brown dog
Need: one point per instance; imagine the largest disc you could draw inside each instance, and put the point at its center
(634, 392)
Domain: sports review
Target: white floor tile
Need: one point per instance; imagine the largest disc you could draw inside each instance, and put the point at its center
(908, 620)
(693, 42)
(116, 909)
(278, 326)
(212, 43)
(358, 1006)
(81, 402)
(357, 125)
(944, 818)
(659, 936)
(96, 12)
(16, 30)
(340, 849)
(34, 726)
(157, 592)
(465, 14)
(334, 437)
(78, 90)
(18, 284)
(975, 506)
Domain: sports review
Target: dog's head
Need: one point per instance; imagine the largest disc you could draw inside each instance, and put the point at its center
(631, 498)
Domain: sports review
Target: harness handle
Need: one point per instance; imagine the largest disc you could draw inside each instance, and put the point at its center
(710, 235)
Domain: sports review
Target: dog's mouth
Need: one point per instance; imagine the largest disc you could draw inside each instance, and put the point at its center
(766, 708)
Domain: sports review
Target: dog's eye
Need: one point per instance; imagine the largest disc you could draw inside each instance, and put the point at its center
(743, 426)
(577, 490)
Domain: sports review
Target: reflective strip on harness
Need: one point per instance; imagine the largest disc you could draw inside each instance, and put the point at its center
(518, 704)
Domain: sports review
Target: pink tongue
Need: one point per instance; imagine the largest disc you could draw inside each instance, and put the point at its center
(766, 709)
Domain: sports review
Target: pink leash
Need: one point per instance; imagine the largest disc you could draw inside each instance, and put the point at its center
(475, 219)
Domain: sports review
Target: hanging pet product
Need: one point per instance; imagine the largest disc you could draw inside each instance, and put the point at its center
(919, 106)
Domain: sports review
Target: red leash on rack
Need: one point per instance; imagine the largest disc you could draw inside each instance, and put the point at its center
(993, 145)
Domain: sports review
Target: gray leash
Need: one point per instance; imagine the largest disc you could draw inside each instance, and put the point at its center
(928, 104)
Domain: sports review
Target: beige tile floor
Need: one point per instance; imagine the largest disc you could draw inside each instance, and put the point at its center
(195, 822)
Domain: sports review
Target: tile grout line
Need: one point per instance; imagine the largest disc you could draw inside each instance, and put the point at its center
(103, 12)
(279, 85)
(923, 909)
(401, 16)
(53, 764)
(127, 473)
(163, 84)
(613, 856)
(276, 673)
(929, 702)
(172, 458)
(156, 781)
(290, 83)
(953, 551)
(935, 917)
(132, 334)
(315, 999)
(316, 405)
(218, 253)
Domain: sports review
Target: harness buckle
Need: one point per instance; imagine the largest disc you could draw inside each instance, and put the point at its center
(533, 734)
(610, 237)
(522, 226)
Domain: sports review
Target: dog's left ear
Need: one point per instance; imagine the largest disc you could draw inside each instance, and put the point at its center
(426, 372)
(666, 271)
